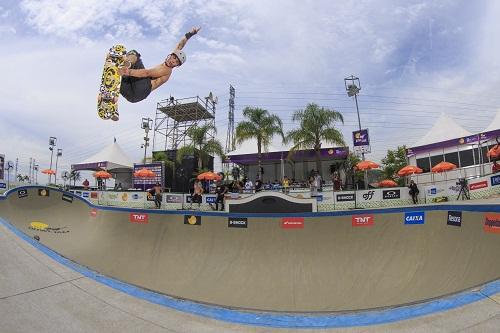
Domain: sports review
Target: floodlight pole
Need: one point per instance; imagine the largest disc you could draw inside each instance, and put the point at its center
(146, 125)
(353, 90)
(52, 144)
(59, 153)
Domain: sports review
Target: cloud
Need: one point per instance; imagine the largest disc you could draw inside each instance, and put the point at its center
(414, 60)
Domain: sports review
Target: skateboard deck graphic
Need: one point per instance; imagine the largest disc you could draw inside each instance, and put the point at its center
(107, 100)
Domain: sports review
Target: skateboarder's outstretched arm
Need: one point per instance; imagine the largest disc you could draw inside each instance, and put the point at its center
(174, 59)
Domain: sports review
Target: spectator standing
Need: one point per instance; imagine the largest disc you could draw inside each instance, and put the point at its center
(197, 194)
(312, 186)
(86, 184)
(286, 185)
(495, 167)
(248, 185)
(413, 191)
(258, 185)
(221, 191)
(337, 183)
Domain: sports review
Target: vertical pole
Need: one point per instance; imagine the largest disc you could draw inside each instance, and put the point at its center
(32, 174)
(51, 156)
(31, 160)
(362, 154)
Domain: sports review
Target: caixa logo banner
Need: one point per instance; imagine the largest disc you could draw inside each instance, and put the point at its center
(414, 218)
(138, 218)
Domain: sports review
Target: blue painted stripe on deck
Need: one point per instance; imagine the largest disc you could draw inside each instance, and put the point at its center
(268, 319)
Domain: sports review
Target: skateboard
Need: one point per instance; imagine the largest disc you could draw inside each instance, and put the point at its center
(107, 99)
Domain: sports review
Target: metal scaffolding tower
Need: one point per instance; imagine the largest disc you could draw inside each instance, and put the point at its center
(174, 117)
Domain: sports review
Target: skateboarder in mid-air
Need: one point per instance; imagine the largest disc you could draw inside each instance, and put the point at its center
(138, 82)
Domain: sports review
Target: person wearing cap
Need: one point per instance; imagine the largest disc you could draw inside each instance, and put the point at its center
(138, 82)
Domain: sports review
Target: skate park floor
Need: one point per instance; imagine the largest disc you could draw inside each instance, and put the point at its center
(38, 294)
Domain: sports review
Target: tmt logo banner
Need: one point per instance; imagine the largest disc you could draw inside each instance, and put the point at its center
(138, 218)
(362, 220)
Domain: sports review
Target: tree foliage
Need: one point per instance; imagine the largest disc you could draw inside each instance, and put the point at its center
(393, 162)
(317, 126)
(259, 124)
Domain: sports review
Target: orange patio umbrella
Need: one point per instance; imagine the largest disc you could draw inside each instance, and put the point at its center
(443, 166)
(102, 174)
(49, 172)
(387, 183)
(494, 152)
(144, 173)
(209, 175)
(366, 165)
(409, 170)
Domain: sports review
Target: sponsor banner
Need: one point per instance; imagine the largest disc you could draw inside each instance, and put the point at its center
(492, 223)
(391, 194)
(67, 198)
(363, 220)
(22, 193)
(414, 218)
(188, 199)
(93, 212)
(292, 223)
(43, 192)
(85, 194)
(434, 191)
(139, 218)
(172, 198)
(454, 218)
(360, 138)
(478, 185)
(192, 219)
(495, 180)
(210, 199)
(3, 185)
(237, 222)
(344, 197)
(78, 193)
(368, 196)
(93, 195)
(150, 197)
(319, 198)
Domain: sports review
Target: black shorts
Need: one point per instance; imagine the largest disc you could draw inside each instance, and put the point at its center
(135, 89)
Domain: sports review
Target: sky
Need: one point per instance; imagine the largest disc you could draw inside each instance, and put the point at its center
(414, 59)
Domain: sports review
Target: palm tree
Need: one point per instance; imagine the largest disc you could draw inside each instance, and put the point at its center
(200, 144)
(75, 176)
(351, 175)
(317, 125)
(260, 125)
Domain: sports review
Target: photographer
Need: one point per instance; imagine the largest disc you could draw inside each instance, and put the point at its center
(413, 191)
(221, 191)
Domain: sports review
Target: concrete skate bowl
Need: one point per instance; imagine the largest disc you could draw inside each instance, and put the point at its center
(313, 263)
